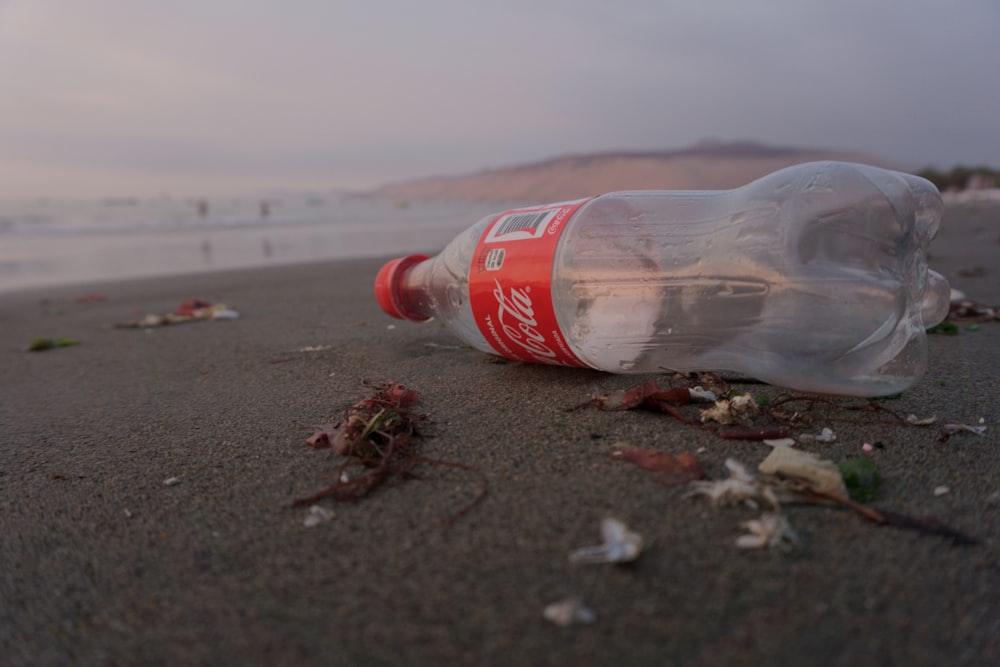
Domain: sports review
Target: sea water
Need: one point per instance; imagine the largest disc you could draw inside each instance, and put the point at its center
(56, 242)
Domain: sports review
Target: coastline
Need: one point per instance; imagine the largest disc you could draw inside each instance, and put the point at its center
(105, 563)
(66, 250)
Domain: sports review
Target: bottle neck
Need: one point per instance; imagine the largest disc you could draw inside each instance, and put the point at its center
(413, 293)
(400, 288)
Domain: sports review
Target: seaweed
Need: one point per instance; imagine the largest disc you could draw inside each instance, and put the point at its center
(670, 469)
(380, 434)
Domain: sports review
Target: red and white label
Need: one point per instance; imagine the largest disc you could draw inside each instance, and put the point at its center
(510, 284)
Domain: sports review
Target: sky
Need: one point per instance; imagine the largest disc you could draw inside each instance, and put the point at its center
(205, 97)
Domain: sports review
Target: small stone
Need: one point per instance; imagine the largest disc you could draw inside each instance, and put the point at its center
(568, 612)
(317, 515)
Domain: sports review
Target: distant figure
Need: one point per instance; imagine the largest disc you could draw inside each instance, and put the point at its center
(206, 251)
(265, 209)
(203, 208)
(265, 247)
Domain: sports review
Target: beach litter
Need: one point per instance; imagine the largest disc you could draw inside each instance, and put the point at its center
(647, 395)
(317, 515)
(775, 490)
(822, 475)
(861, 478)
(739, 409)
(826, 435)
(698, 393)
(670, 469)
(378, 434)
(788, 475)
(375, 427)
(737, 412)
(948, 430)
(741, 487)
(967, 311)
(172, 481)
(920, 421)
(190, 310)
(44, 344)
(737, 416)
(571, 611)
(769, 531)
(620, 545)
(314, 348)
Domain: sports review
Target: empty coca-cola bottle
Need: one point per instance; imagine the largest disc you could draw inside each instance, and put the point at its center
(813, 278)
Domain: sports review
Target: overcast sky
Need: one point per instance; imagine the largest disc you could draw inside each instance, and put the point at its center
(214, 96)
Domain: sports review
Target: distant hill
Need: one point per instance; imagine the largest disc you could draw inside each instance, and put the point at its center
(706, 165)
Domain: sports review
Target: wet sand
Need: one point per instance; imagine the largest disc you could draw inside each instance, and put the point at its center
(101, 562)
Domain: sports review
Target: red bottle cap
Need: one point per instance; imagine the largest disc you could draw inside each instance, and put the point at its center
(388, 287)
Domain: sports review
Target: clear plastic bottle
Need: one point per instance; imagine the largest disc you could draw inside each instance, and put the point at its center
(812, 278)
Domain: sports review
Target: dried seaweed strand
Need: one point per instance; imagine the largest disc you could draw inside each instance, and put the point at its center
(873, 405)
(377, 434)
(926, 526)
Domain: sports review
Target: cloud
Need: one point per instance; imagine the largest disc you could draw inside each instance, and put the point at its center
(246, 90)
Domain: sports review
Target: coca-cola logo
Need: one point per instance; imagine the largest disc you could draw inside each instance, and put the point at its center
(516, 316)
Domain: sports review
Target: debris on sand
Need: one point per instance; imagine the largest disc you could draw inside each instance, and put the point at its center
(736, 411)
(570, 611)
(948, 430)
(769, 531)
(43, 344)
(774, 490)
(739, 409)
(861, 478)
(825, 436)
(620, 545)
(190, 310)
(670, 469)
(378, 434)
(822, 475)
(317, 515)
(742, 487)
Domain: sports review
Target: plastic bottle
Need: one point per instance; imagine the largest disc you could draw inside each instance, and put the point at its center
(812, 278)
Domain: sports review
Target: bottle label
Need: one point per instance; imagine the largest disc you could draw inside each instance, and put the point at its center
(510, 284)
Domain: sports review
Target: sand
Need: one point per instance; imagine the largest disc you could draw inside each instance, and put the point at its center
(101, 562)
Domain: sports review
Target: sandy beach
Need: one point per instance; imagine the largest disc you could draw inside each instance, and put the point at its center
(103, 562)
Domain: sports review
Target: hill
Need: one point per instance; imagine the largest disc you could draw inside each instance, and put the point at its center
(706, 165)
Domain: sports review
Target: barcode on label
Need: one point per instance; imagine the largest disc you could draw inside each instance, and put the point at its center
(515, 226)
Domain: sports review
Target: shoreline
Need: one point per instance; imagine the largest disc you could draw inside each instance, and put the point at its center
(193, 252)
(66, 257)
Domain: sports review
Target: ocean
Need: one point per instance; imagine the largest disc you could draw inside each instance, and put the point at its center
(61, 243)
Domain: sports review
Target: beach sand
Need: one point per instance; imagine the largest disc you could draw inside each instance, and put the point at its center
(103, 563)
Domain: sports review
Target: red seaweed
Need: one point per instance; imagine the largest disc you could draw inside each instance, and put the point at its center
(378, 433)
(671, 470)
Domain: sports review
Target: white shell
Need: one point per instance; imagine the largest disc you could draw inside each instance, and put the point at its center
(568, 612)
(620, 545)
